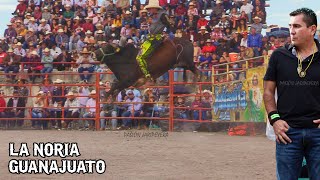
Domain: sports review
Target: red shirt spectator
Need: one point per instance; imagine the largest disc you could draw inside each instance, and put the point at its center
(87, 26)
(2, 56)
(163, 3)
(202, 22)
(174, 2)
(181, 10)
(208, 48)
(2, 103)
(21, 8)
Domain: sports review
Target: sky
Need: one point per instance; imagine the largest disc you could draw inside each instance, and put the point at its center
(277, 13)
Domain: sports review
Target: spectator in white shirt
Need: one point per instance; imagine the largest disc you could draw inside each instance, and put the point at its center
(90, 111)
(72, 107)
(247, 8)
(19, 50)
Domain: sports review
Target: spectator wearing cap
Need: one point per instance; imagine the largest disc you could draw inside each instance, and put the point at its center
(11, 62)
(30, 37)
(61, 39)
(244, 39)
(224, 22)
(208, 47)
(192, 10)
(68, 13)
(10, 33)
(218, 9)
(46, 14)
(216, 34)
(259, 13)
(40, 104)
(257, 24)
(3, 44)
(202, 36)
(131, 110)
(43, 26)
(32, 24)
(34, 65)
(55, 51)
(97, 18)
(58, 100)
(85, 62)
(87, 26)
(21, 8)
(27, 19)
(100, 36)
(76, 25)
(247, 8)
(127, 19)
(255, 41)
(202, 21)
(3, 54)
(72, 108)
(19, 50)
(47, 61)
(90, 111)
(15, 109)
(113, 34)
(89, 39)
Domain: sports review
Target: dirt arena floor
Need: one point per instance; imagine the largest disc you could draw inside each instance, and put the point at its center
(181, 155)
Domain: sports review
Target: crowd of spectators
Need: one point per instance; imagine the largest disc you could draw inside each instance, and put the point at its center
(48, 35)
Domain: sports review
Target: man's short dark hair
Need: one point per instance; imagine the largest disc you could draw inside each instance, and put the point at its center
(309, 16)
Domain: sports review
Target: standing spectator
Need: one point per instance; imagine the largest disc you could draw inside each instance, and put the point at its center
(149, 109)
(85, 64)
(255, 42)
(90, 111)
(16, 108)
(257, 24)
(247, 8)
(58, 100)
(11, 62)
(205, 65)
(196, 52)
(181, 12)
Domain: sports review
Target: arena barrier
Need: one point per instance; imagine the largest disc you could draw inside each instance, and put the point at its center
(227, 106)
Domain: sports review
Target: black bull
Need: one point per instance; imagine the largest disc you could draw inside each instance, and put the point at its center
(170, 54)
